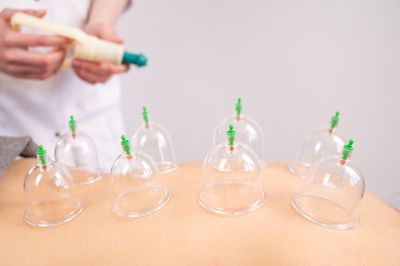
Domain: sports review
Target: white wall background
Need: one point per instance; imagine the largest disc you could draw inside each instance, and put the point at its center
(293, 62)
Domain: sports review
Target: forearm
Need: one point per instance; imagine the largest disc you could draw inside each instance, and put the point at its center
(106, 11)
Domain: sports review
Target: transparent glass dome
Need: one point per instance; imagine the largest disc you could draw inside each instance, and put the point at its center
(321, 144)
(49, 193)
(136, 189)
(153, 140)
(76, 151)
(331, 192)
(247, 130)
(232, 179)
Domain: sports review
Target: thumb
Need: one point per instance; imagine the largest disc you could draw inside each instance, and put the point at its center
(8, 13)
(116, 40)
(110, 35)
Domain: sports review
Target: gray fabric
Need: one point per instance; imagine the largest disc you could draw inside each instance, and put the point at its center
(11, 147)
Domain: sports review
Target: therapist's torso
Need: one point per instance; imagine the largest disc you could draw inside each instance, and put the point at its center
(41, 109)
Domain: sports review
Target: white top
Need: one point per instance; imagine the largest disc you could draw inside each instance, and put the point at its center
(41, 109)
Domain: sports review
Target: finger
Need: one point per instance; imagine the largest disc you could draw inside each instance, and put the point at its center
(90, 77)
(111, 35)
(115, 39)
(42, 76)
(58, 61)
(32, 76)
(24, 69)
(94, 68)
(8, 12)
(26, 40)
(15, 55)
(115, 69)
(28, 76)
(33, 72)
(54, 68)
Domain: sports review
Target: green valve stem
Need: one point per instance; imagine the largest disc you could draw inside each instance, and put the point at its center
(146, 116)
(231, 137)
(136, 59)
(126, 145)
(334, 122)
(72, 125)
(347, 149)
(42, 156)
(239, 108)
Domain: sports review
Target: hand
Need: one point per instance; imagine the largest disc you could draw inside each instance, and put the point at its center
(15, 58)
(93, 72)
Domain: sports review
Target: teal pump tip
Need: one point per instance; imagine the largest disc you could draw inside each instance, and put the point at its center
(136, 59)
